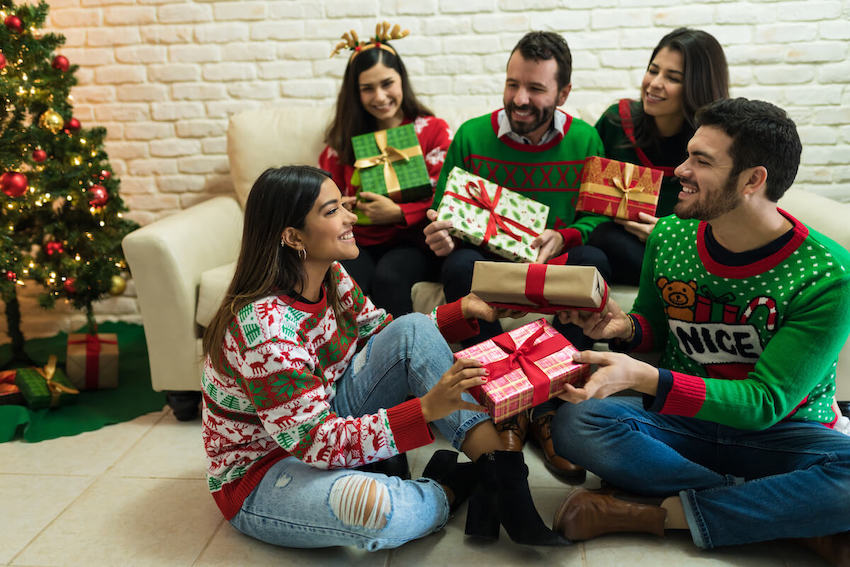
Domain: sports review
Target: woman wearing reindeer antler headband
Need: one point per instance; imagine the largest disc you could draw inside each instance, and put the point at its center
(376, 95)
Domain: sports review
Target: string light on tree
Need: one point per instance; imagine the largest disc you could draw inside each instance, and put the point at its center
(60, 221)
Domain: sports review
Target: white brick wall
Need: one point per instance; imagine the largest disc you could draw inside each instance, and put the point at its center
(164, 76)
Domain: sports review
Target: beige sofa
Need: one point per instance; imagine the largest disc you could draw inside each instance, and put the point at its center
(182, 264)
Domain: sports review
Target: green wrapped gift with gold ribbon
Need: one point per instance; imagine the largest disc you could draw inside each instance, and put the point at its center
(390, 162)
(46, 387)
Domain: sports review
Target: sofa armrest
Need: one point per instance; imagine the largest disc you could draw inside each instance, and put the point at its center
(166, 259)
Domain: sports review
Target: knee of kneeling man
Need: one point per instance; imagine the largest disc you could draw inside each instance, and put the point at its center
(360, 500)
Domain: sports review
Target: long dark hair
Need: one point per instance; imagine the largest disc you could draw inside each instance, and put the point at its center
(706, 80)
(280, 198)
(351, 119)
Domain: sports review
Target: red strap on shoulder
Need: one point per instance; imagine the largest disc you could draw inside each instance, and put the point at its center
(625, 110)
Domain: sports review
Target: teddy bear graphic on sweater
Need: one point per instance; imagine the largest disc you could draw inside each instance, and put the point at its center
(712, 330)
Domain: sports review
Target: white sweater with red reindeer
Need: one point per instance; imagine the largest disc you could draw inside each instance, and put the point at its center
(282, 361)
(748, 339)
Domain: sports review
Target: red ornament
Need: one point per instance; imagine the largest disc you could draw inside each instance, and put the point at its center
(13, 184)
(69, 285)
(105, 174)
(72, 125)
(11, 276)
(2, 61)
(14, 23)
(39, 155)
(99, 196)
(61, 62)
(53, 247)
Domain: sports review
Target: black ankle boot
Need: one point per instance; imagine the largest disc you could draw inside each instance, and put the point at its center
(394, 466)
(460, 478)
(505, 496)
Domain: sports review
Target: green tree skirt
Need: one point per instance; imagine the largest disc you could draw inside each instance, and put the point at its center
(94, 408)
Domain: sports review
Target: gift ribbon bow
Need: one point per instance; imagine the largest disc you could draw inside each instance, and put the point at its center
(523, 356)
(92, 343)
(55, 388)
(388, 156)
(479, 197)
(625, 183)
(722, 298)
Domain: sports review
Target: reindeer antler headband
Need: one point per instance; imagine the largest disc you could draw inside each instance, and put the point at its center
(383, 33)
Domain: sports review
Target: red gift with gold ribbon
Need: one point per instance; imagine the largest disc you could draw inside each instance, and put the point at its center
(92, 360)
(618, 189)
(539, 288)
(526, 366)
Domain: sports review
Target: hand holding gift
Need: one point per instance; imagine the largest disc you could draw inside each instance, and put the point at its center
(610, 323)
(445, 397)
(486, 214)
(616, 372)
(539, 288)
(618, 189)
(526, 367)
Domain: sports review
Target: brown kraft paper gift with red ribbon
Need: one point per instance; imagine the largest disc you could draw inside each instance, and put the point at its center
(539, 288)
(92, 361)
(618, 189)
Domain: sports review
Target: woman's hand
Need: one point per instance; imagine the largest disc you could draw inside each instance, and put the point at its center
(444, 398)
(379, 208)
(437, 235)
(640, 228)
(549, 243)
(473, 307)
(610, 323)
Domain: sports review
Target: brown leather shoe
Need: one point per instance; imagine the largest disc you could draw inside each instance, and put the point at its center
(585, 515)
(512, 431)
(541, 433)
(834, 548)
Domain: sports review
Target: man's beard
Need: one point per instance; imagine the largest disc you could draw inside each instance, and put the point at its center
(541, 116)
(706, 210)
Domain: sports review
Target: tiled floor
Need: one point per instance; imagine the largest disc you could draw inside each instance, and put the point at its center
(134, 494)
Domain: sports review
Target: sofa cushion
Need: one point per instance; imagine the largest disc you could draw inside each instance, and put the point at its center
(211, 290)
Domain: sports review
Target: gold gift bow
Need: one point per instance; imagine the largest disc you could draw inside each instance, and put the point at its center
(55, 388)
(387, 156)
(621, 185)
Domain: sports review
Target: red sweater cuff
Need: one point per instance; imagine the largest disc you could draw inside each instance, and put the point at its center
(409, 427)
(686, 396)
(452, 325)
(572, 237)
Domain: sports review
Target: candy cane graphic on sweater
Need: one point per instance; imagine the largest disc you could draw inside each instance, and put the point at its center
(768, 302)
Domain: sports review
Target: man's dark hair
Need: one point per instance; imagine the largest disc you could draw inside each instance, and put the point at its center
(762, 134)
(543, 45)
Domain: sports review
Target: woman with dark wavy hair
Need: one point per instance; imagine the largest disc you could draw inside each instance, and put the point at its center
(376, 94)
(306, 381)
(687, 70)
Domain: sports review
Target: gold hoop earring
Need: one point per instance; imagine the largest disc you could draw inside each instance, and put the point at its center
(302, 253)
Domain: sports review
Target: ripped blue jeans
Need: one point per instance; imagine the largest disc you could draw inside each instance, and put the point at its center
(297, 505)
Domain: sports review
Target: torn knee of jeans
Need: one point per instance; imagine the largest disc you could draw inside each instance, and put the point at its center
(360, 500)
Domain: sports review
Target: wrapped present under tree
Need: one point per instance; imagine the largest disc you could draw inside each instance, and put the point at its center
(618, 189)
(526, 366)
(92, 360)
(487, 214)
(45, 387)
(539, 288)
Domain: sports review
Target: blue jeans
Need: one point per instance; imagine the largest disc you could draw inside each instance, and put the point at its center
(297, 505)
(736, 486)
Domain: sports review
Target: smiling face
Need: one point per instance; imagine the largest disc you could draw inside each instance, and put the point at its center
(532, 94)
(327, 235)
(381, 95)
(662, 91)
(708, 189)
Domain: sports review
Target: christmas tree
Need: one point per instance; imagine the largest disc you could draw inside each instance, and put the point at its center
(61, 212)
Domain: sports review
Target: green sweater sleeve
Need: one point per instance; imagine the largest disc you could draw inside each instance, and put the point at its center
(586, 222)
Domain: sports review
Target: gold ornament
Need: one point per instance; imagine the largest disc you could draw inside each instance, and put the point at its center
(51, 120)
(118, 285)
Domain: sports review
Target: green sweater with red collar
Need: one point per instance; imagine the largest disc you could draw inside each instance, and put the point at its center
(549, 173)
(744, 345)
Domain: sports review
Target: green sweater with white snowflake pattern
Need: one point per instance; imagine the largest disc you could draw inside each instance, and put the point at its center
(747, 346)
